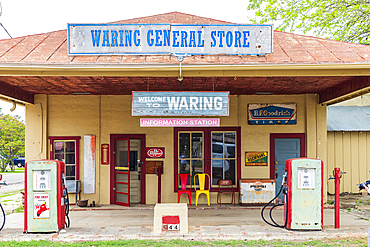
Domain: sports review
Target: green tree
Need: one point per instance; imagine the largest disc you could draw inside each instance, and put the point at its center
(12, 139)
(346, 20)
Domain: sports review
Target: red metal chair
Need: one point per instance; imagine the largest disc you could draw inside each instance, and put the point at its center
(183, 183)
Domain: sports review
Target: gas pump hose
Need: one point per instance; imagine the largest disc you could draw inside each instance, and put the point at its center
(68, 222)
(276, 205)
(3, 212)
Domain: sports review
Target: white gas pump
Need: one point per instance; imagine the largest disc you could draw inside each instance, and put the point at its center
(46, 198)
(303, 200)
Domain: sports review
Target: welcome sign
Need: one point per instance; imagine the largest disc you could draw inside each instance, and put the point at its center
(180, 103)
(180, 39)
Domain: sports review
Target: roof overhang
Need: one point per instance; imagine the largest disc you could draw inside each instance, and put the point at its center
(357, 84)
(172, 70)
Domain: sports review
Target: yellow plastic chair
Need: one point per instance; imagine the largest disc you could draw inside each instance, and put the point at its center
(201, 190)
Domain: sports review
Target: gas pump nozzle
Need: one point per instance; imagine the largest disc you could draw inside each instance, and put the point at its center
(283, 181)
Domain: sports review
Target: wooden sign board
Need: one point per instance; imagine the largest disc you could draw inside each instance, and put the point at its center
(151, 167)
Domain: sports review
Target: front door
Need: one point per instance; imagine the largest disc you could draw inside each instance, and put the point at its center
(285, 148)
(122, 172)
(126, 173)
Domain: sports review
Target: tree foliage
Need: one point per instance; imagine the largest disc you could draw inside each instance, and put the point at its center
(346, 20)
(12, 139)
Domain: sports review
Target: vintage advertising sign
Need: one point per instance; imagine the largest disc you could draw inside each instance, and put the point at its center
(89, 164)
(41, 205)
(176, 39)
(270, 114)
(154, 152)
(256, 158)
(256, 192)
(179, 122)
(105, 154)
(180, 103)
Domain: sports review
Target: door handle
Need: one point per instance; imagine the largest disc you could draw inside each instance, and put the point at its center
(276, 175)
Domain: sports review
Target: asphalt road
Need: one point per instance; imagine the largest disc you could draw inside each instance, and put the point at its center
(13, 178)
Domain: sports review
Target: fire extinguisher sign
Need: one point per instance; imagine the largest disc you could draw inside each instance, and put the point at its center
(41, 206)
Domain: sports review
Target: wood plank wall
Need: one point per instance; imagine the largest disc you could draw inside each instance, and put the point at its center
(350, 151)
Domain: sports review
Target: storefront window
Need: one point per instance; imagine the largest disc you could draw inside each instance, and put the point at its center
(66, 151)
(190, 159)
(208, 150)
(223, 156)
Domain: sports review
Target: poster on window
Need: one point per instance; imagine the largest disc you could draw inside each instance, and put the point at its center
(41, 206)
(89, 164)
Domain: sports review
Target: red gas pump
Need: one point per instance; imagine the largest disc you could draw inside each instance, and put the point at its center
(46, 205)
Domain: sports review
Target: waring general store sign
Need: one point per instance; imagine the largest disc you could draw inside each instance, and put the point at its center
(180, 103)
(180, 39)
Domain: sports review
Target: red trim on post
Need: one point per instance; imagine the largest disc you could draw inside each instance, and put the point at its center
(25, 197)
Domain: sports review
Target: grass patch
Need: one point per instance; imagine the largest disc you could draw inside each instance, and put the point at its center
(330, 202)
(177, 242)
(9, 194)
(20, 209)
(17, 170)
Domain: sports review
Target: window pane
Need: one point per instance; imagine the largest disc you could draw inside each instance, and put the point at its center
(70, 147)
(217, 171)
(121, 178)
(59, 157)
(229, 145)
(70, 171)
(59, 147)
(184, 166)
(230, 170)
(70, 159)
(197, 167)
(217, 150)
(122, 188)
(217, 145)
(122, 159)
(184, 145)
(121, 198)
(197, 145)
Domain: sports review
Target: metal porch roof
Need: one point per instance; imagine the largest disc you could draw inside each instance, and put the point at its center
(348, 118)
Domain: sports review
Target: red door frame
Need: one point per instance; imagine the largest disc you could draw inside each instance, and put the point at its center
(113, 138)
(207, 149)
(273, 136)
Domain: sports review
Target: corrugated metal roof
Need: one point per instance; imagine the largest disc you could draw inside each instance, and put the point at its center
(289, 48)
(348, 118)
